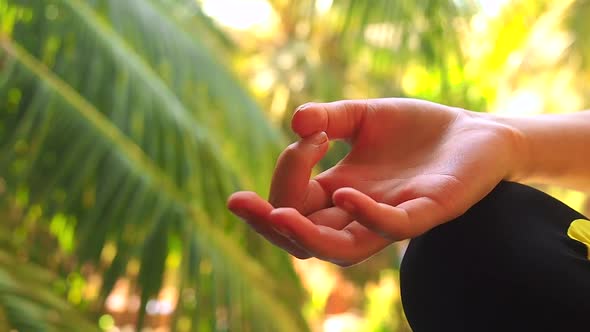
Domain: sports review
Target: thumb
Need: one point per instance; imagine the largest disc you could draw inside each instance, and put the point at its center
(340, 119)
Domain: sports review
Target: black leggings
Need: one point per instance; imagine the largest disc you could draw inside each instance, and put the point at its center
(505, 265)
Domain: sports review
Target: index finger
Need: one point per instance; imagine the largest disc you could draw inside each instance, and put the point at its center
(291, 185)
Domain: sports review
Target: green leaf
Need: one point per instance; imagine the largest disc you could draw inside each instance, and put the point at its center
(157, 160)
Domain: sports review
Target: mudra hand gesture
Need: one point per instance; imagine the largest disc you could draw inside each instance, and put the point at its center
(412, 166)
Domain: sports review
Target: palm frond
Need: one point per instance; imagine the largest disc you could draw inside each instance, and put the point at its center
(384, 40)
(131, 127)
(27, 302)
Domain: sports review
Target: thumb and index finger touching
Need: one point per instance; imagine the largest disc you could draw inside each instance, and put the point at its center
(342, 120)
(291, 186)
(315, 123)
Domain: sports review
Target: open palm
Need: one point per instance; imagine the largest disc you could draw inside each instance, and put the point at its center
(412, 166)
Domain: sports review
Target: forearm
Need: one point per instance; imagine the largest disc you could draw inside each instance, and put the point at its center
(554, 149)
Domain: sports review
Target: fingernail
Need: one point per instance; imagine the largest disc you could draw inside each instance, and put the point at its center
(318, 138)
(302, 107)
(283, 231)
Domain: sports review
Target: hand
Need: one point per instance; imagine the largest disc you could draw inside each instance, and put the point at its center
(412, 166)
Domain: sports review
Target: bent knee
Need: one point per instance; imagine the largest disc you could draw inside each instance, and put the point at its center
(511, 247)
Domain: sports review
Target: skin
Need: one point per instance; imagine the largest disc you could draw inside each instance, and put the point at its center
(413, 165)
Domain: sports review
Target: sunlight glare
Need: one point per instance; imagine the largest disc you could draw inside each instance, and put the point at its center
(239, 14)
(523, 102)
(344, 322)
(323, 6)
(492, 7)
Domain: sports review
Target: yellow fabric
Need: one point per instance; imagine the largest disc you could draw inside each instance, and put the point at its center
(579, 230)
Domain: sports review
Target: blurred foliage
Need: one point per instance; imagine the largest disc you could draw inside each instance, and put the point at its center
(111, 139)
(124, 125)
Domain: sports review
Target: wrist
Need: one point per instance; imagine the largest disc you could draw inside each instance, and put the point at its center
(521, 168)
(517, 144)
